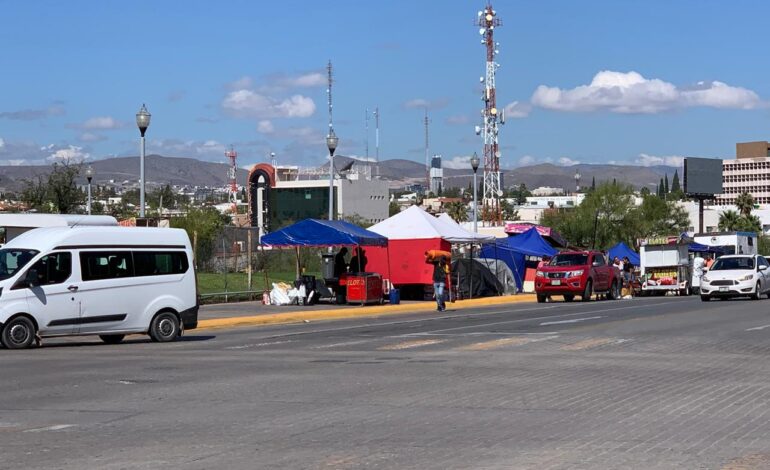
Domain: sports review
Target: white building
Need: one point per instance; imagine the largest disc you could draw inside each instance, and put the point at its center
(547, 191)
(711, 217)
(532, 210)
(748, 172)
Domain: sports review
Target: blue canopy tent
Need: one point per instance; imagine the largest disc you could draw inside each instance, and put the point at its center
(622, 250)
(320, 233)
(514, 250)
(698, 248)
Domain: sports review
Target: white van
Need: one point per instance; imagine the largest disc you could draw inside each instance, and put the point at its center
(107, 281)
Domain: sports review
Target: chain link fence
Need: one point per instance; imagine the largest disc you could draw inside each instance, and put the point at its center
(232, 266)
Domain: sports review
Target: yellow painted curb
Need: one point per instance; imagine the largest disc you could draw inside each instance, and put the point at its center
(298, 316)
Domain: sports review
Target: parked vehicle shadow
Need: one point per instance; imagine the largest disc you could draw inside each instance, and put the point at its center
(130, 340)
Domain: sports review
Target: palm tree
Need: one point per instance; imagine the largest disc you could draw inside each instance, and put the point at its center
(457, 211)
(752, 223)
(745, 203)
(729, 221)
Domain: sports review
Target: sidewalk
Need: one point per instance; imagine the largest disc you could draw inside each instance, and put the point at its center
(254, 313)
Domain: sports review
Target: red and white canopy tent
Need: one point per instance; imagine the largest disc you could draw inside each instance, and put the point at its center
(410, 234)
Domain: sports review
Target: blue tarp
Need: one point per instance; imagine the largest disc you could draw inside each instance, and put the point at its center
(621, 250)
(698, 248)
(531, 243)
(314, 232)
(514, 250)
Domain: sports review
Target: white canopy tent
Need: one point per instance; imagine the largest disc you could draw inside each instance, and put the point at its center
(415, 223)
(475, 237)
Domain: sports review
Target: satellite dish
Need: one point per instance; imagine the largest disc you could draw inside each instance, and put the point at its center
(489, 17)
(481, 79)
(478, 130)
(480, 13)
(482, 31)
(500, 193)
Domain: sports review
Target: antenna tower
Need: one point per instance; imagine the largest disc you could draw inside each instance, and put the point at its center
(487, 21)
(377, 134)
(366, 128)
(329, 94)
(427, 152)
(232, 172)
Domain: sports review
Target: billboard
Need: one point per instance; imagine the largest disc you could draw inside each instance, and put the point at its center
(702, 176)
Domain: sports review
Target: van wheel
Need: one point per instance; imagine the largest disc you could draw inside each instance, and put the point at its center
(112, 339)
(18, 333)
(164, 327)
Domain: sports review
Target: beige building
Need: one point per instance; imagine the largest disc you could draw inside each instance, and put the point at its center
(749, 172)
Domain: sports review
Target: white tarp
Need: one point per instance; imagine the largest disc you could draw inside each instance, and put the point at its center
(477, 237)
(414, 223)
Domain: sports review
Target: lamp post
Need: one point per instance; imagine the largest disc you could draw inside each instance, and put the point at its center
(475, 166)
(331, 142)
(89, 177)
(142, 122)
(577, 186)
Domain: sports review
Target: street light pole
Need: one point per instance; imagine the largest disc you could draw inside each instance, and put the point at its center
(475, 165)
(142, 122)
(331, 143)
(89, 177)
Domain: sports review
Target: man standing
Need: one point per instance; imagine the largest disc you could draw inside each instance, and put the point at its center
(340, 266)
(439, 282)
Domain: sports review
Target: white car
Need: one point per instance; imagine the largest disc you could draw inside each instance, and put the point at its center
(736, 276)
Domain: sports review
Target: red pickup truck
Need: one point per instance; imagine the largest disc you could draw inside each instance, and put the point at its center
(582, 273)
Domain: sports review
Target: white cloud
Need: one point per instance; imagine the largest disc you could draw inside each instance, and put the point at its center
(632, 93)
(458, 163)
(307, 80)
(240, 84)
(18, 162)
(2, 143)
(265, 127)
(566, 161)
(516, 110)
(650, 160)
(91, 137)
(248, 103)
(527, 160)
(102, 123)
(70, 153)
(420, 103)
(458, 119)
(33, 114)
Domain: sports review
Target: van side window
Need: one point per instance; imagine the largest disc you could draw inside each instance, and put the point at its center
(96, 265)
(158, 263)
(54, 268)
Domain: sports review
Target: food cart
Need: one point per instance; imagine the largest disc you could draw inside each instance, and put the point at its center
(665, 266)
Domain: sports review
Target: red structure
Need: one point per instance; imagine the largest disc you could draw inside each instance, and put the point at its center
(407, 260)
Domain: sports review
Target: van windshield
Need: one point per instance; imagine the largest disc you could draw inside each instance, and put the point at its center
(12, 260)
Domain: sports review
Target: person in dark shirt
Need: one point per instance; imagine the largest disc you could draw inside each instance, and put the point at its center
(439, 282)
(358, 261)
(340, 266)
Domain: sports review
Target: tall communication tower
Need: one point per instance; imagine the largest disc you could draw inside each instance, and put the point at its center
(377, 134)
(427, 152)
(232, 172)
(487, 21)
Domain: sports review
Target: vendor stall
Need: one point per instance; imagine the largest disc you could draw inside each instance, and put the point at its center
(515, 251)
(334, 233)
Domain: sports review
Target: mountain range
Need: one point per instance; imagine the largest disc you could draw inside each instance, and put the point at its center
(193, 172)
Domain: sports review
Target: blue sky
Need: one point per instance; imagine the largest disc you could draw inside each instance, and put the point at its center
(591, 82)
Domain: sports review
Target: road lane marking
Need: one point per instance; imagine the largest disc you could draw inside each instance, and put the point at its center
(549, 317)
(415, 343)
(498, 343)
(256, 345)
(591, 343)
(758, 328)
(344, 343)
(481, 333)
(55, 427)
(576, 320)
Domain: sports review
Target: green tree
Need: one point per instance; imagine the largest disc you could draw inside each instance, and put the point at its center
(745, 203)
(202, 226)
(665, 186)
(729, 221)
(58, 192)
(750, 223)
(675, 182)
(593, 183)
(509, 212)
(393, 208)
(457, 211)
(661, 193)
(451, 192)
(164, 195)
(35, 193)
(656, 217)
(645, 191)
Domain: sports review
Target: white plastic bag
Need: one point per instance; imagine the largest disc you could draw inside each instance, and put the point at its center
(279, 296)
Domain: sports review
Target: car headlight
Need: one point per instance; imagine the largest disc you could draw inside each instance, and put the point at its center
(539, 274)
(747, 277)
(705, 279)
(577, 273)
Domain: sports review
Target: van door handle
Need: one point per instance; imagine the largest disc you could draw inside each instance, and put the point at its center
(73, 288)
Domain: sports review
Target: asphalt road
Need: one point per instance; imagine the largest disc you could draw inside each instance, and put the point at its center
(646, 383)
